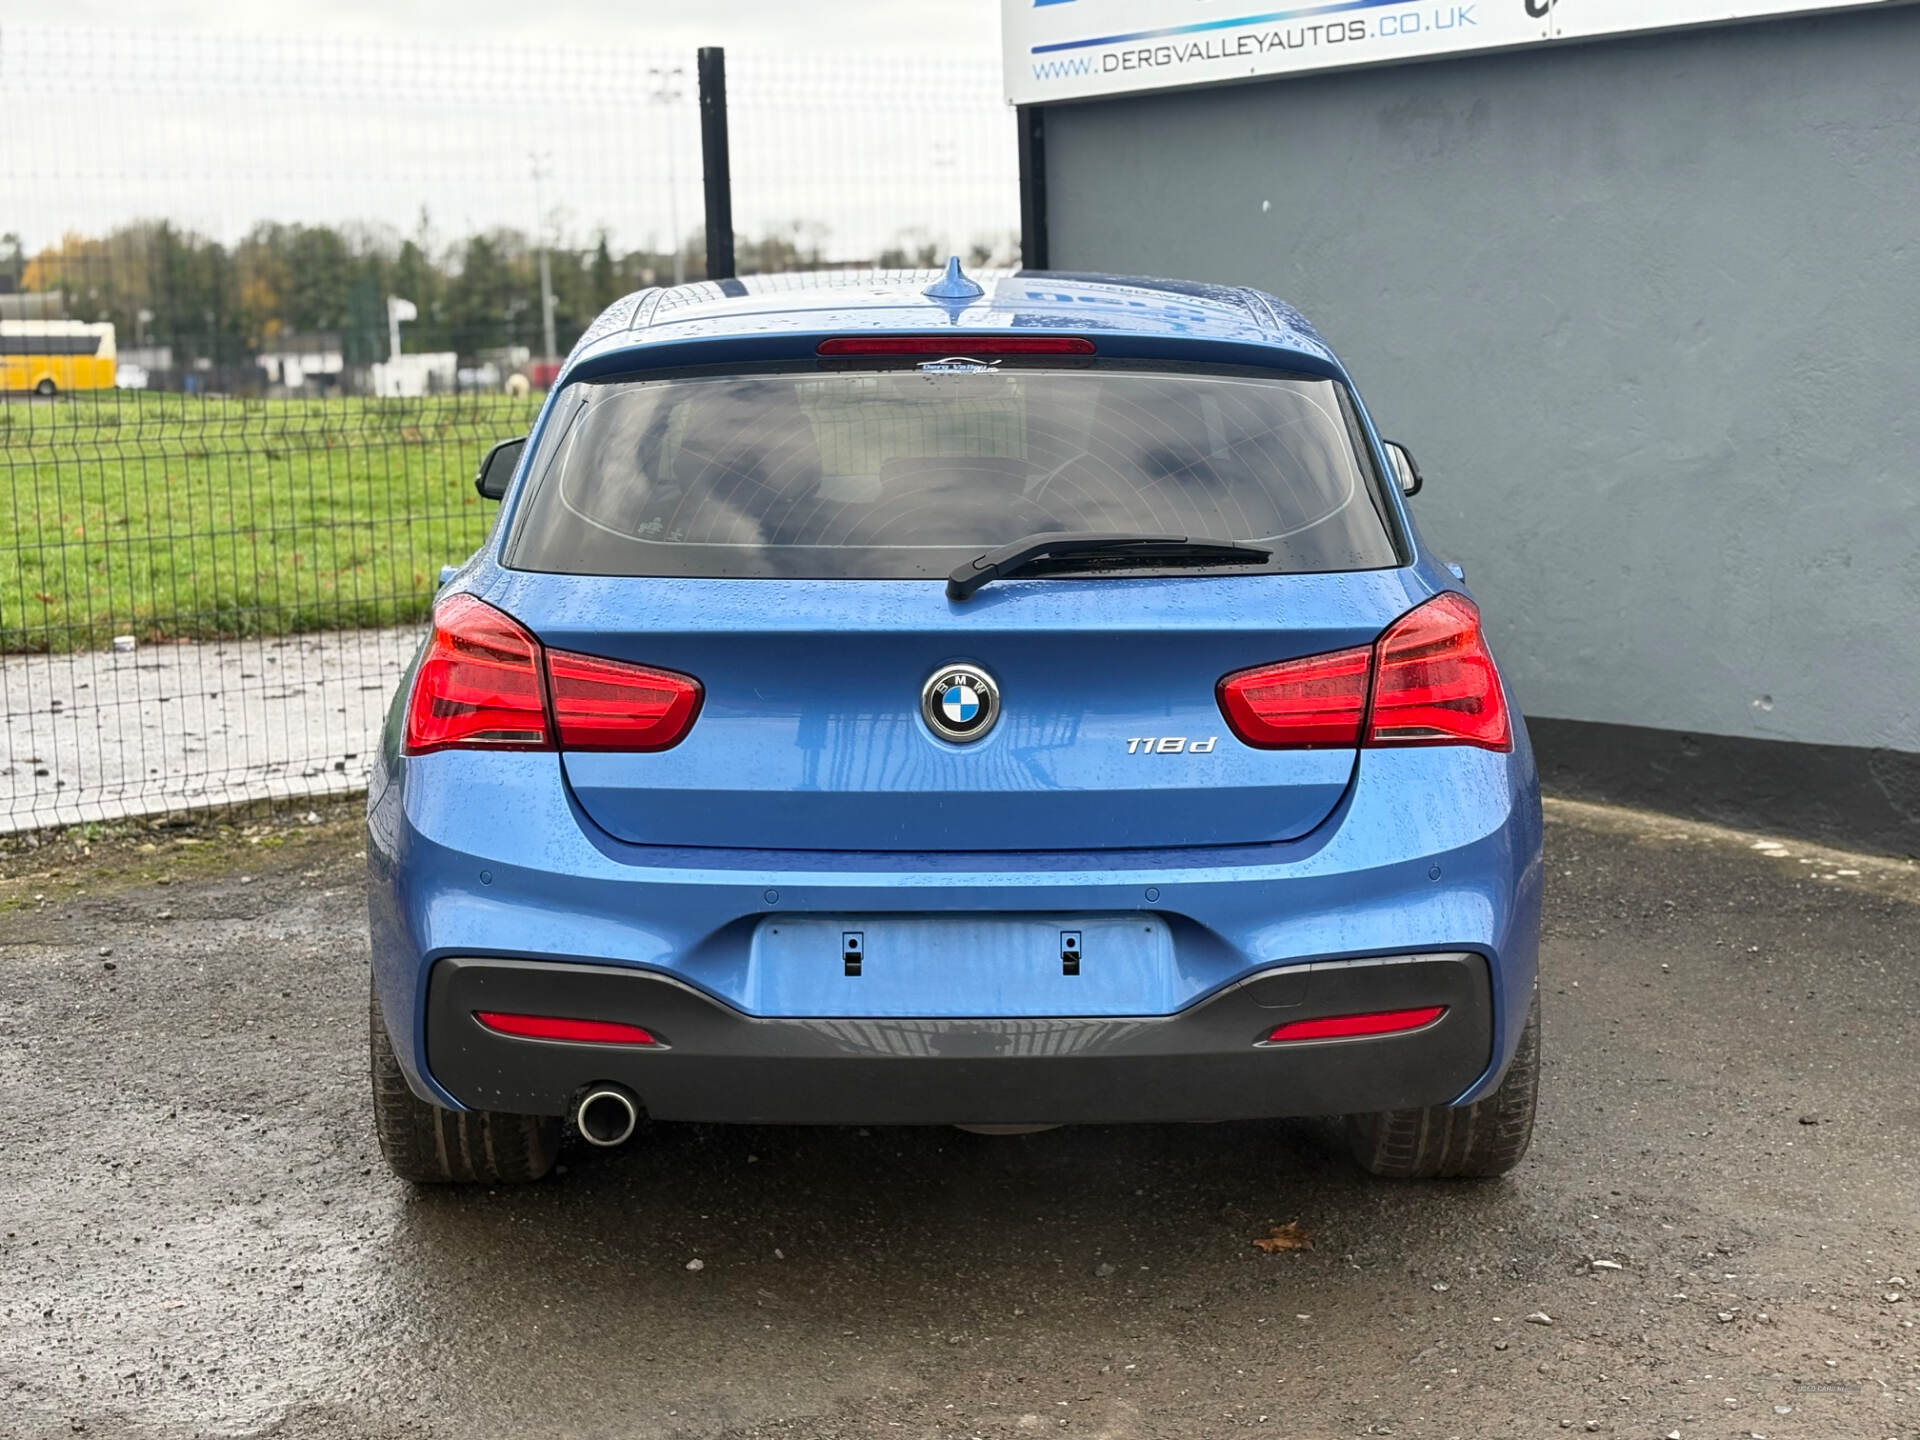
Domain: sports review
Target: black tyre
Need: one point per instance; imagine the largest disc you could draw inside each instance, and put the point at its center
(1441, 1142)
(46, 389)
(432, 1146)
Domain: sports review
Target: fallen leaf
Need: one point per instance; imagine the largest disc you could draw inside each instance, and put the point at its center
(1284, 1237)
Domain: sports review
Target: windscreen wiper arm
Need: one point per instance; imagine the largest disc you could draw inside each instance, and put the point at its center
(1066, 550)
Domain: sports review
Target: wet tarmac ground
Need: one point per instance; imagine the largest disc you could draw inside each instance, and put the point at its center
(197, 1235)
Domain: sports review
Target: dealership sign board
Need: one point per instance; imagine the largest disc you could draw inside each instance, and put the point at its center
(1072, 49)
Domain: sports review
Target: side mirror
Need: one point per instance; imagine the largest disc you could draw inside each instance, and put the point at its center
(496, 471)
(1405, 468)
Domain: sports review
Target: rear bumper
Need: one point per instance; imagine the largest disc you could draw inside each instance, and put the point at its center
(1208, 1062)
(1434, 851)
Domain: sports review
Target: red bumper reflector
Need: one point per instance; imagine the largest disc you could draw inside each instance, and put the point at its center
(553, 1027)
(958, 344)
(1341, 1027)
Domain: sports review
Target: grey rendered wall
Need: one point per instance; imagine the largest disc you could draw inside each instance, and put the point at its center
(1648, 311)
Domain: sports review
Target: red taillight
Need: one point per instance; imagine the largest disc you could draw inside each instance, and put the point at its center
(612, 705)
(1429, 680)
(554, 1027)
(1436, 684)
(1347, 1027)
(479, 684)
(487, 683)
(1300, 704)
(960, 344)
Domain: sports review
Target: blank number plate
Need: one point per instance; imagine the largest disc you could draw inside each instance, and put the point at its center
(936, 966)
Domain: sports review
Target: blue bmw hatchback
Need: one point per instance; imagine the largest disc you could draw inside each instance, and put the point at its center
(908, 700)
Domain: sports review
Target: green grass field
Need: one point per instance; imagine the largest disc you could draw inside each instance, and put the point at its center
(177, 517)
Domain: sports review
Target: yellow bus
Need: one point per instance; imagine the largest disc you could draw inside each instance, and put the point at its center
(48, 356)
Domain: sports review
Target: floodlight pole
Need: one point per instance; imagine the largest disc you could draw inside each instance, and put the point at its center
(666, 92)
(538, 162)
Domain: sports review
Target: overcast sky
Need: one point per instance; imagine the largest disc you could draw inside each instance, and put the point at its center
(868, 120)
(961, 27)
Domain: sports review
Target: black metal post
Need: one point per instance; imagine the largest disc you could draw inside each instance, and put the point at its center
(717, 167)
(1033, 187)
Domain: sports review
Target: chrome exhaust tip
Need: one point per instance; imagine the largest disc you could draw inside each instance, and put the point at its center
(606, 1116)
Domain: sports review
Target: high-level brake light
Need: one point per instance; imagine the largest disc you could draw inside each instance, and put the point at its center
(556, 1027)
(487, 683)
(1351, 1027)
(955, 345)
(1429, 680)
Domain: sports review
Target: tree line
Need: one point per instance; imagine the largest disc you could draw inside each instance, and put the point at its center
(165, 285)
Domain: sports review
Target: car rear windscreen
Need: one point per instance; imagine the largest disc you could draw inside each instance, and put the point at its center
(906, 473)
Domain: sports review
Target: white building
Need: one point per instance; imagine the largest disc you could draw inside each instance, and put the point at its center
(293, 359)
(408, 376)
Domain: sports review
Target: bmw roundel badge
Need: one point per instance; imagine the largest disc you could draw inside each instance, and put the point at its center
(960, 703)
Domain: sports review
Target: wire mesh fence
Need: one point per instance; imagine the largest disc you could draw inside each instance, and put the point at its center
(265, 302)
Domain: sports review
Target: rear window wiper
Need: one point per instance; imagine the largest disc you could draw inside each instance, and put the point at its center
(1073, 550)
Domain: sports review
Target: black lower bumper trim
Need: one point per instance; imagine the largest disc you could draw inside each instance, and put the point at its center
(1204, 1063)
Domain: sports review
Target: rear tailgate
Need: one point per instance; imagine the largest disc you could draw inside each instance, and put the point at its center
(811, 736)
